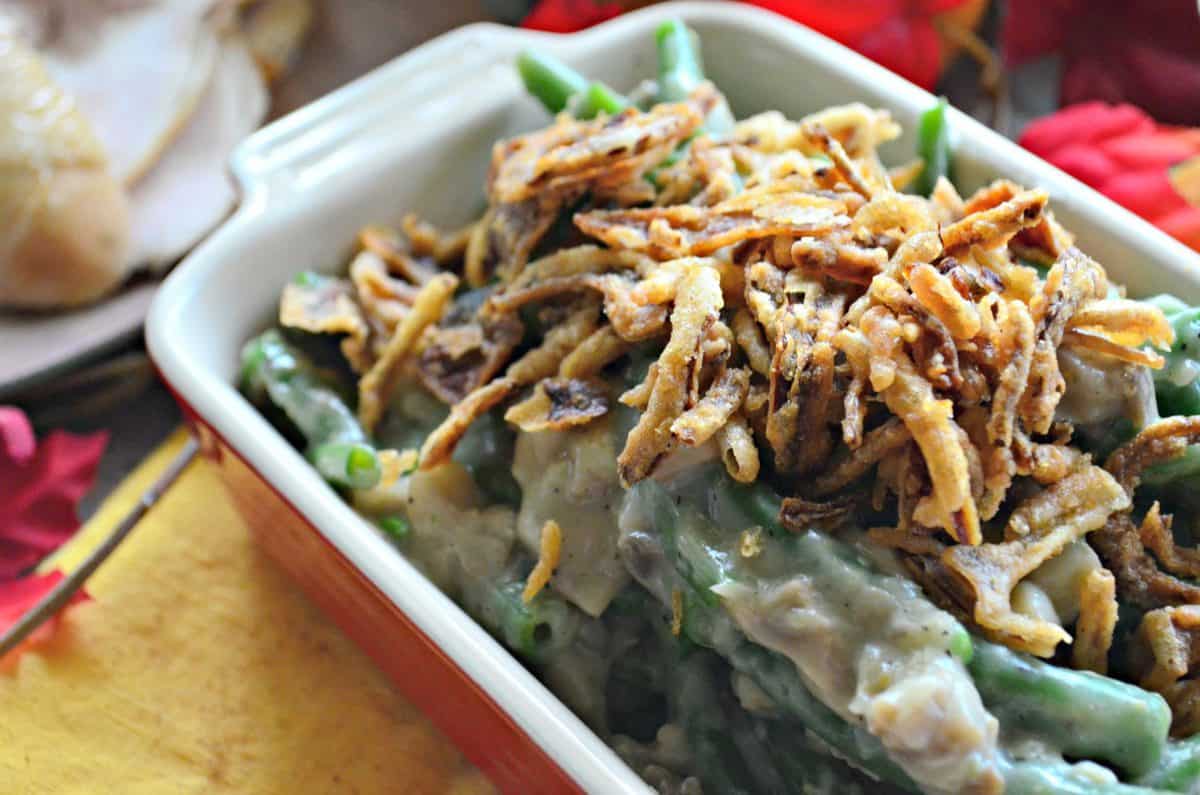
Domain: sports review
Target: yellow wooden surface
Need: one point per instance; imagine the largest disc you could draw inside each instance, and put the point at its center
(199, 668)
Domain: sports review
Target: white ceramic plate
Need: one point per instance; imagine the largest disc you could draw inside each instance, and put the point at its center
(416, 135)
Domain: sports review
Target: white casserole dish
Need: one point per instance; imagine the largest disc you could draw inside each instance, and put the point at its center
(416, 135)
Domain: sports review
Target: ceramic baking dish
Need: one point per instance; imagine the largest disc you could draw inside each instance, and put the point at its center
(416, 135)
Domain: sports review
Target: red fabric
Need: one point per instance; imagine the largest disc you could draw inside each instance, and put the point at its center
(1123, 153)
(898, 34)
(40, 489)
(1145, 53)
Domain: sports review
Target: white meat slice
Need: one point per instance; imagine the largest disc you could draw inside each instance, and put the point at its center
(189, 191)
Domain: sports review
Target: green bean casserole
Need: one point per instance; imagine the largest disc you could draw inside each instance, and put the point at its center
(785, 470)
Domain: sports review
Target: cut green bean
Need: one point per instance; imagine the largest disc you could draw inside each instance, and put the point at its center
(777, 677)
(596, 99)
(486, 451)
(679, 67)
(536, 630)
(1086, 715)
(681, 70)
(696, 703)
(397, 527)
(933, 145)
(351, 464)
(276, 370)
(549, 79)
(559, 87)
(707, 624)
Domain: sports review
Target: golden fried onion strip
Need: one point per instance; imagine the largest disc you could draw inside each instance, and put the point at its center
(1041, 527)
(375, 387)
(698, 303)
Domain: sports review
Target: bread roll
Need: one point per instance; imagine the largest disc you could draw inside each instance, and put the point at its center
(64, 219)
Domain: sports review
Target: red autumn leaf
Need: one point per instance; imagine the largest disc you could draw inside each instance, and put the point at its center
(17, 597)
(568, 16)
(40, 489)
(1145, 53)
(899, 34)
(1120, 151)
(909, 45)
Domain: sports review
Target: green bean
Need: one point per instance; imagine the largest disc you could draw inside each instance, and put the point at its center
(559, 87)
(777, 677)
(679, 67)
(309, 279)
(1177, 385)
(596, 99)
(1178, 769)
(707, 624)
(806, 769)
(536, 630)
(1083, 714)
(681, 70)
(1184, 469)
(933, 145)
(396, 526)
(274, 369)
(549, 79)
(486, 451)
(744, 505)
(1061, 778)
(696, 703)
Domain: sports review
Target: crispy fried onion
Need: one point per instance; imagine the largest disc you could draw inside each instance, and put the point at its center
(1166, 649)
(1038, 530)
(393, 249)
(802, 377)
(1097, 621)
(1117, 327)
(1014, 348)
(698, 303)
(537, 363)
(385, 299)
(800, 515)
(697, 425)
(636, 309)
(878, 443)
(840, 260)
(1123, 546)
(549, 551)
(1043, 242)
(458, 359)
(930, 420)
(685, 230)
(738, 451)
(324, 305)
(1073, 280)
(559, 403)
(376, 385)
(996, 225)
(602, 153)
(439, 445)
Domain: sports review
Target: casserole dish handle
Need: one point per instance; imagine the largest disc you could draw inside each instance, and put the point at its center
(430, 82)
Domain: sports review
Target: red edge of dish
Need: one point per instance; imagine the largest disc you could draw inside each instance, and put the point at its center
(480, 728)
